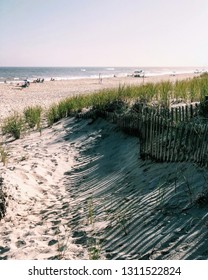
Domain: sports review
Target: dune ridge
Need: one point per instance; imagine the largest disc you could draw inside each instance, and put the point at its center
(70, 196)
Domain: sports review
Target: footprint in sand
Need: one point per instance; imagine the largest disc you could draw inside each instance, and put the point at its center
(20, 243)
(40, 179)
(54, 161)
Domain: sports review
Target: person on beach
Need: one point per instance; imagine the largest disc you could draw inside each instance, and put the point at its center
(100, 78)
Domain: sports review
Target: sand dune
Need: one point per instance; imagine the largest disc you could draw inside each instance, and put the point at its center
(149, 211)
(80, 190)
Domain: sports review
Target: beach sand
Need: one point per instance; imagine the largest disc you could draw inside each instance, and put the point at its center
(70, 196)
(13, 98)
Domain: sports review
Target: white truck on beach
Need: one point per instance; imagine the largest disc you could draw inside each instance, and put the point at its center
(138, 73)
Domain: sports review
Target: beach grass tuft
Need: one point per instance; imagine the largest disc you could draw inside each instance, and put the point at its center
(33, 116)
(94, 250)
(161, 93)
(3, 155)
(13, 126)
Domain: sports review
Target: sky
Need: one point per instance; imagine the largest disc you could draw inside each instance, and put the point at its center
(103, 33)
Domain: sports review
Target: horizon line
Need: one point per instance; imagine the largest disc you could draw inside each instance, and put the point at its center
(109, 66)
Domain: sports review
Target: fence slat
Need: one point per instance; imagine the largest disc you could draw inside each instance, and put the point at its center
(166, 134)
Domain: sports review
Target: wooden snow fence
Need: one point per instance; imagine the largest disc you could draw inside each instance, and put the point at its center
(164, 140)
(166, 135)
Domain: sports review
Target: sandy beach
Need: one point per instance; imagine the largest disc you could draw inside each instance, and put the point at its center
(13, 98)
(70, 196)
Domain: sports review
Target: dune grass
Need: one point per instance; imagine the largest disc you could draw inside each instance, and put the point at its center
(161, 94)
(13, 126)
(16, 124)
(33, 116)
(3, 155)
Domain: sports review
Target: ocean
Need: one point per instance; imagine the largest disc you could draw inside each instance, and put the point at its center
(17, 74)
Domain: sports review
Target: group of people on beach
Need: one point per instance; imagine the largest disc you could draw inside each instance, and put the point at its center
(26, 82)
(39, 80)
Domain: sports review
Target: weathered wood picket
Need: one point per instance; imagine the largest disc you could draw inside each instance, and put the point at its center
(165, 141)
(166, 135)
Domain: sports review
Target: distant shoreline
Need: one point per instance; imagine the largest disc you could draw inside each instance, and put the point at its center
(19, 74)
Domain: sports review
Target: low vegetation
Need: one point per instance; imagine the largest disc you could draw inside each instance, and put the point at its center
(3, 155)
(33, 116)
(159, 94)
(13, 126)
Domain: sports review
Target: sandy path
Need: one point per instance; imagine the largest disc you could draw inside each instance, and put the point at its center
(39, 209)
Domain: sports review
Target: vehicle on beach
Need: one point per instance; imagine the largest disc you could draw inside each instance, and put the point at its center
(197, 71)
(173, 73)
(23, 84)
(138, 73)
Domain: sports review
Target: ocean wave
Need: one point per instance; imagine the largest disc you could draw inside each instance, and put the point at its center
(110, 69)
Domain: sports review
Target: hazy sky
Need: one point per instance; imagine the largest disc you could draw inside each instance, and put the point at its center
(103, 33)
